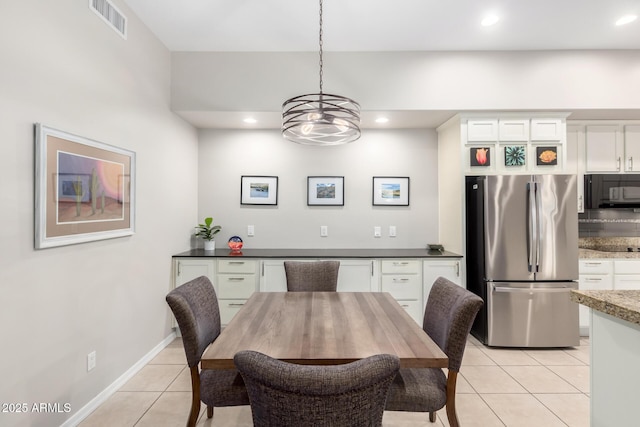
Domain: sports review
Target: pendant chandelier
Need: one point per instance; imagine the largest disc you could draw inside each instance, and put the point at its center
(321, 118)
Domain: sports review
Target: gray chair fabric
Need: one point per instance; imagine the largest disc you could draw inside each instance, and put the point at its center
(195, 306)
(312, 276)
(284, 394)
(448, 317)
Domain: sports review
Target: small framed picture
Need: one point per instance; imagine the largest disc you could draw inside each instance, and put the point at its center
(259, 190)
(546, 156)
(390, 191)
(480, 156)
(325, 191)
(515, 155)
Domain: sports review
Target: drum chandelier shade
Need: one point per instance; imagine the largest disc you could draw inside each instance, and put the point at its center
(321, 118)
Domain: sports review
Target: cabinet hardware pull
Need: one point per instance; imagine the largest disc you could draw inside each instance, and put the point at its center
(236, 304)
(618, 167)
(236, 262)
(457, 269)
(179, 267)
(593, 279)
(395, 279)
(631, 163)
(404, 305)
(401, 263)
(236, 279)
(580, 208)
(593, 263)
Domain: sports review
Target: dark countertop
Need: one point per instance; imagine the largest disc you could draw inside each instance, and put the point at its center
(319, 253)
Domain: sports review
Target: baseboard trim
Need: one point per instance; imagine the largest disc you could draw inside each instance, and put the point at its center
(94, 403)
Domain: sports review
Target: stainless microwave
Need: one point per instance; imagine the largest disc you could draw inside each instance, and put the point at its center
(612, 191)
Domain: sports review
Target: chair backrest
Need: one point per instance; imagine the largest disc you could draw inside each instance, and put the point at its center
(285, 394)
(312, 276)
(448, 317)
(195, 306)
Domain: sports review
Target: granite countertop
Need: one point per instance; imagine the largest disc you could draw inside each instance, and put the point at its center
(624, 305)
(320, 253)
(609, 247)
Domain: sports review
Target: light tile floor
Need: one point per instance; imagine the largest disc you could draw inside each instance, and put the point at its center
(496, 387)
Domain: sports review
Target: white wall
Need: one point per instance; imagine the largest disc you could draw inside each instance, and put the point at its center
(62, 66)
(459, 81)
(226, 155)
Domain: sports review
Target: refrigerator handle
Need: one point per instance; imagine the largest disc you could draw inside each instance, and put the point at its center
(531, 220)
(539, 228)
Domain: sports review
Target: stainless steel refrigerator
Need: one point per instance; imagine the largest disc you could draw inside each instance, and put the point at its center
(522, 258)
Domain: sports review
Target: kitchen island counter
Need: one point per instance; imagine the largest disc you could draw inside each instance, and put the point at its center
(615, 355)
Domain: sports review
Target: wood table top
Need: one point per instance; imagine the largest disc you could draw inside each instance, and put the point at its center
(324, 328)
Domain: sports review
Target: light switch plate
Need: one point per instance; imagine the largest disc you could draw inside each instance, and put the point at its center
(377, 231)
(250, 230)
(324, 231)
(392, 231)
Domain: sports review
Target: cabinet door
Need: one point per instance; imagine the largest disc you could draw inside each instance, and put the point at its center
(513, 130)
(603, 149)
(482, 130)
(432, 269)
(546, 130)
(357, 276)
(626, 282)
(575, 162)
(632, 148)
(189, 268)
(272, 277)
(591, 282)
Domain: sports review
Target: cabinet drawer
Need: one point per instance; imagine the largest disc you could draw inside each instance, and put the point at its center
(626, 282)
(236, 266)
(400, 267)
(403, 286)
(229, 308)
(414, 308)
(596, 267)
(236, 286)
(627, 267)
(595, 282)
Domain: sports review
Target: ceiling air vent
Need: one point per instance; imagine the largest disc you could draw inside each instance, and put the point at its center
(111, 15)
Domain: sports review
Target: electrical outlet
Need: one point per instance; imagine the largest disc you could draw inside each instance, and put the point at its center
(324, 231)
(377, 231)
(91, 360)
(250, 230)
(392, 231)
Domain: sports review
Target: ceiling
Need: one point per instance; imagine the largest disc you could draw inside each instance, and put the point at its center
(374, 25)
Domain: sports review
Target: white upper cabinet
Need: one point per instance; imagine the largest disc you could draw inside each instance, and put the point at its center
(547, 130)
(604, 148)
(482, 130)
(613, 148)
(632, 148)
(513, 130)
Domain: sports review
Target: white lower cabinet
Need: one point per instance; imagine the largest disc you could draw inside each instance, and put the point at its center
(186, 269)
(354, 275)
(236, 280)
(594, 274)
(627, 274)
(403, 280)
(432, 269)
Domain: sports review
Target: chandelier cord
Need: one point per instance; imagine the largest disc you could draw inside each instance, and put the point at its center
(320, 38)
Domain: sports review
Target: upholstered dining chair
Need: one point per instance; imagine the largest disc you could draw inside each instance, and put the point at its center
(312, 276)
(285, 394)
(448, 317)
(196, 309)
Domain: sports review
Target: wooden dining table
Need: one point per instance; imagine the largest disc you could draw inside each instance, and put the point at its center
(324, 328)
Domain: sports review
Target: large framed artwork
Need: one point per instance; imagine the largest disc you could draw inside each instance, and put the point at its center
(325, 191)
(259, 190)
(390, 191)
(84, 189)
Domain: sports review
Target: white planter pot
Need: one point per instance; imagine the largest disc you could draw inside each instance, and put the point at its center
(209, 245)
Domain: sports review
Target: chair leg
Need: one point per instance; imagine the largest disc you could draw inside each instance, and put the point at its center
(209, 411)
(195, 397)
(432, 417)
(451, 398)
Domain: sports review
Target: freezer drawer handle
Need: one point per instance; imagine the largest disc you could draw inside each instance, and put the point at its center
(529, 290)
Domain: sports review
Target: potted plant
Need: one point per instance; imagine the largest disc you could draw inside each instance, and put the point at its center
(207, 232)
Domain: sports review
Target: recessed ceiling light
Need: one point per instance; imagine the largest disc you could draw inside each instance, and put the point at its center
(382, 120)
(626, 19)
(489, 20)
(250, 120)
